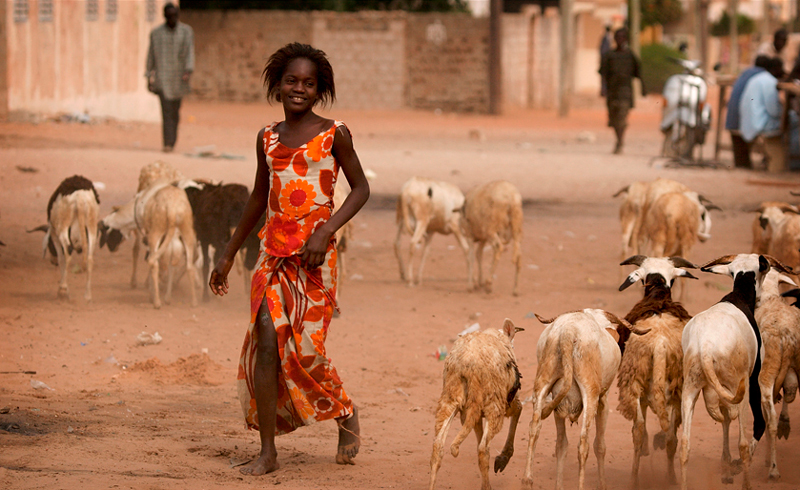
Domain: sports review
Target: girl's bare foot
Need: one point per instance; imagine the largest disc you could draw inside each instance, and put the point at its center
(349, 440)
(261, 466)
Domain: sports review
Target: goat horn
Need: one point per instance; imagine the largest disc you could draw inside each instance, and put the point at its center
(707, 203)
(777, 264)
(794, 193)
(617, 320)
(725, 259)
(39, 228)
(621, 191)
(788, 208)
(634, 259)
(681, 262)
(545, 321)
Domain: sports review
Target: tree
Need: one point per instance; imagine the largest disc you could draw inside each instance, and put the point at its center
(660, 12)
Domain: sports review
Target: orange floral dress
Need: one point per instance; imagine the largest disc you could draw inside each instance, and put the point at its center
(300, 301)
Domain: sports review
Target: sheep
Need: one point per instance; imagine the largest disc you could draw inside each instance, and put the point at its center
(784, 240)
(425, 207)
(578, 355)
(72, 225)
(779, 325)
(650, 372)
(493, 215)
(721, 358)
(216, 210)
(762, 231)
(481, 382)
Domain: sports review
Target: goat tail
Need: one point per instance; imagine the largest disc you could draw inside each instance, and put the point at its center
(404, 215)
(566, 346)
(660, 385)
(471, 415)
(732, 399)
(83, 233)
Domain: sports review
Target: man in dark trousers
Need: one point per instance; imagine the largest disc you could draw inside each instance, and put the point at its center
(618, 68)
(170, 63)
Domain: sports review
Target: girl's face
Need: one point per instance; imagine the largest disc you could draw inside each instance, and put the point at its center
(299, 85)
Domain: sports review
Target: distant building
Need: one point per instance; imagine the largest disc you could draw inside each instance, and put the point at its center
(88, 56)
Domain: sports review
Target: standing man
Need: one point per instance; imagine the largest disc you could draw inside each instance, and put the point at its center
(170, 63)
(618, 68)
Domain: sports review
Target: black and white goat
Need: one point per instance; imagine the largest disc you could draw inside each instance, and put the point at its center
(72, 226)
(721, 358)
(650, 374)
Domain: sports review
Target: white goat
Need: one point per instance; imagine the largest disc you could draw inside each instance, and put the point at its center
(578, 355)
(72, 224)
(481, 382)
(779, 325)
(425, 207)
(650, 374)
(784, 240)
(721, 359)
(493, 216)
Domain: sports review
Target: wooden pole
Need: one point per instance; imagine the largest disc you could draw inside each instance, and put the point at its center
(635, 17)
(565, 64)
(495, 57)
(733, 13)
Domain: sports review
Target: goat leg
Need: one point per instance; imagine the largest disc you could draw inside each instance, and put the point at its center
(501, 461)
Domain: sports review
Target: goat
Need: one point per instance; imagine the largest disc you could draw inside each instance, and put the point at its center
(481, 383)
(779, 325)
(493, 215)
(72, 225)
(155, 172)
(762, 231)
(650, 372)
(784, 239)
(425, 207)
(216, 210)
(721, 358)
(578, 355)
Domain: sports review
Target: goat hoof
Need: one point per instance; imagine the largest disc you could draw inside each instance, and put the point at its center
(783, 427)
(727, 480)
(774, 475)
(660, 440)
(736, 467)
(500, 462)
(63, 293)
(527, 483)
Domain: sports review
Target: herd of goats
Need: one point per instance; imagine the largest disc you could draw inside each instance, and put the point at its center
(742, 353)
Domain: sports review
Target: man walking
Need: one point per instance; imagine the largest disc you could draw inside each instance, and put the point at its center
(170, 63)
(618, 68)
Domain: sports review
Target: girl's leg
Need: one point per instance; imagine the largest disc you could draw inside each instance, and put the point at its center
(265, 385)
(349, 438)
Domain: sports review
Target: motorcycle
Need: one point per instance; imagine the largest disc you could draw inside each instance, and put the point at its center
(687, 116)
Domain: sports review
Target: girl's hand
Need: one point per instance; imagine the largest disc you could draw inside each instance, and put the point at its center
(316, 248)
(219, 277)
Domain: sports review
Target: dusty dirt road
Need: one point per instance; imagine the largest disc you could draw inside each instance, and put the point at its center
(166, 416)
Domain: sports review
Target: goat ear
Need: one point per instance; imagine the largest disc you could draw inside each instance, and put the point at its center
(509, 329)
(763, 264)
(631, 279)
(43, 228)
(681, 262)
(708, 204)
(613, 333)
(792, 293)
(713, 266)
(786, 279)
(621, 191)
(686, 274)
(788, 208)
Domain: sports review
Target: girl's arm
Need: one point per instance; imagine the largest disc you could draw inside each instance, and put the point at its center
(345, 154)
(253, 210)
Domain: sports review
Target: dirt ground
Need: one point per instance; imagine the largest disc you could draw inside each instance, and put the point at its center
(166, 416)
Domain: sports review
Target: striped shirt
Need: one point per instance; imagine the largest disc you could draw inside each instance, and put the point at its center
(170, 56)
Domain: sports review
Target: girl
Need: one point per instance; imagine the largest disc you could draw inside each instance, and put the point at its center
(285, 379)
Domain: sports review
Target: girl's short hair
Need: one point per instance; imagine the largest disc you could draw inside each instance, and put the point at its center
(273, 71)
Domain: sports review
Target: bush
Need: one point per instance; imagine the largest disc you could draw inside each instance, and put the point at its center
(722, 27)
(656, 66)
(655, 12)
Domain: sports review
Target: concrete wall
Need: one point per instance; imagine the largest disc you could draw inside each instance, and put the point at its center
(71, 64)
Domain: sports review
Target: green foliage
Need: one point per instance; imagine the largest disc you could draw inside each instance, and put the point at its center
(656, 66)
(337, 5)
(722, 27)
(660, 12)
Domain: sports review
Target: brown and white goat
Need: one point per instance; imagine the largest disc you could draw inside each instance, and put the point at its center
(650, 374)
(425, 207)
(493, 216)
(721, 359)
(72, 225)
(779, 325)
(762, 230)
(578, 355)
(783, 222)
(481, 384)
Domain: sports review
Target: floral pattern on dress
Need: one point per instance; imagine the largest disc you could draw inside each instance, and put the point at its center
(301, 302)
